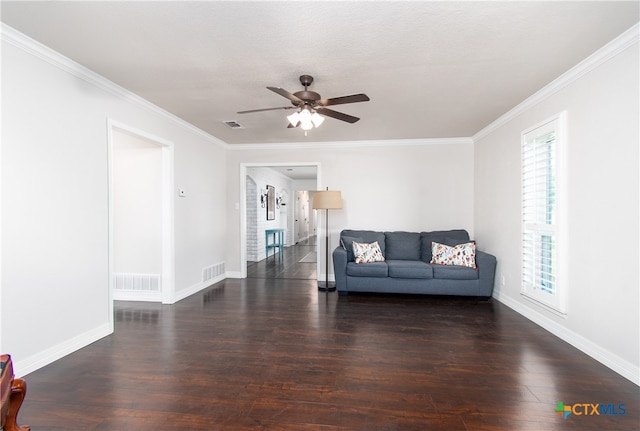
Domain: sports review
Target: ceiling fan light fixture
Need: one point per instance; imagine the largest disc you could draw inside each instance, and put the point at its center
(305, 103)
(305, 119)
(294, 119)
(317, 119)
(306, 125)
(305, 115)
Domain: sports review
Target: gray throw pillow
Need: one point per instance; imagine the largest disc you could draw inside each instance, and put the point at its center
(347, 243)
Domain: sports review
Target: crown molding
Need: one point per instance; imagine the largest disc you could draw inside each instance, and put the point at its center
(43, 52)
(595, 60)
(350, 144)
(610, 50)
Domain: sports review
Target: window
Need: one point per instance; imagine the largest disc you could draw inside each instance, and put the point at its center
(540, 146)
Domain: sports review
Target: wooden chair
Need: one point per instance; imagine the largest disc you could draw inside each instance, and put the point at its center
(12, 393)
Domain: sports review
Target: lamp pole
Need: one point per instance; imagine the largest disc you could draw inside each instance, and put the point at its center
(326, 248)
(326, 200)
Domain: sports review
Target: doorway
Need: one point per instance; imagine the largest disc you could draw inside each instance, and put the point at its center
(291, 180)
(302, 216)
(140, 216)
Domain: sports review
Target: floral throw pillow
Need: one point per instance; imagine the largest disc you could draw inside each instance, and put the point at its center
(367, 253)
(463, 254)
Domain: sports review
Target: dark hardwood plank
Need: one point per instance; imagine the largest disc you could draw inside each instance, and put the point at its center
(286, 265)
(278, 354)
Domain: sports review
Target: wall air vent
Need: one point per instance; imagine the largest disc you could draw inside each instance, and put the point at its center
(233, 124)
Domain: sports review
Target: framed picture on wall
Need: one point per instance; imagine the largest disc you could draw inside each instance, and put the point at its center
(271, 203)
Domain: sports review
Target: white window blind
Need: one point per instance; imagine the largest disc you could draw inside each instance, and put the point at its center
(539, 214)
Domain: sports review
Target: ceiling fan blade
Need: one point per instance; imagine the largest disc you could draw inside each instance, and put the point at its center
(344, 99)
(284, 93)
(291, 126)
(337, 115)
(265, 109)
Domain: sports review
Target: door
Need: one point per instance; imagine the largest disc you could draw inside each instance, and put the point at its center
(301, 216)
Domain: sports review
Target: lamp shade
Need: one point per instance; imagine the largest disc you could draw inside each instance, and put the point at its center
(294, 119)
(317, 119)
(327, 200)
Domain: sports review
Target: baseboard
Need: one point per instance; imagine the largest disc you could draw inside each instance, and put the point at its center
(132, 295)
(184, 293)
(234, 274)
(52, 354)
(605, 357)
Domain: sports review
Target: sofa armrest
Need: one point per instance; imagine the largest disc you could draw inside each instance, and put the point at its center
(340, 268)
(486, 264)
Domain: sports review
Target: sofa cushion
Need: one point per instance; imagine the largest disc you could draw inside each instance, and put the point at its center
(367, 253)
(347, 243)
(375, 269)
(463, 254)
(441, 236)
(402, 245)
(367, 236)
(409, 269)
(456, 241)
(454, 272)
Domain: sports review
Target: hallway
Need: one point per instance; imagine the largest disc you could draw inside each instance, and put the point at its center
(287, 265)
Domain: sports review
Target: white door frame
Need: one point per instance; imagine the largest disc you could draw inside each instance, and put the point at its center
(243, 202)
(168, 249)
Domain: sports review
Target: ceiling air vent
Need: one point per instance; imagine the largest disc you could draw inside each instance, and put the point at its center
(233, 124)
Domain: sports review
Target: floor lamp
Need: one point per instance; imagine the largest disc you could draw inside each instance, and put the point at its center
(327, 200)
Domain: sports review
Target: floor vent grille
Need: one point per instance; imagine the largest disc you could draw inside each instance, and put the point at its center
(213, 271)
(136, 282)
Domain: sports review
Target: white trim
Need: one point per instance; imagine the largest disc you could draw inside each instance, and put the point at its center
(236, 274)
(185, 293)
(60, 350)
(595, 60)
(65, 64)
(350, 144)
(168, 230)
(243, 206)
(168, 224)
(2, 349)
(133, 295)
(557, 302)
(625, 368)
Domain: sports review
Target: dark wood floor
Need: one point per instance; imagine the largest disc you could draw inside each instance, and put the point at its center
(286, 265)
(276, 354)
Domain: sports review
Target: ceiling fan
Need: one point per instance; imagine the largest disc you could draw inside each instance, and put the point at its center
(309, 104)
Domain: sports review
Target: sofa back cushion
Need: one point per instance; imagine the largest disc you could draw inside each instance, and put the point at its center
(402, 245)
(347, 236)
(448, 237)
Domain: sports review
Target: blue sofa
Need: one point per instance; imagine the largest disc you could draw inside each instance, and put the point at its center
(407, 267)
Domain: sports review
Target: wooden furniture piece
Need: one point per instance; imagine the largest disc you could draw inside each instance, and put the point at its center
(12, 393)
(278, 241)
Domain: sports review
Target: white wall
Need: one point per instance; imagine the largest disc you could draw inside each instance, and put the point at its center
(137, 180)
(423, 185)
(54, 268)
(601, 190)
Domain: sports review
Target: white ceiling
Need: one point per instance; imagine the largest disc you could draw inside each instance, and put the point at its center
(433, 69)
